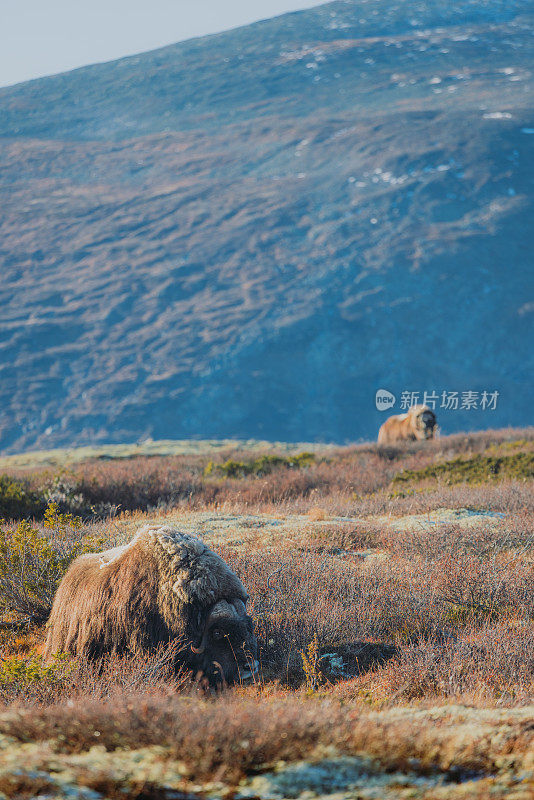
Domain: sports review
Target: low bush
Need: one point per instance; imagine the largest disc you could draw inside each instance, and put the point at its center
(495, 662)
(29, 678)
(17, 500)
(236, 736)
(263, 465)
(34, 559)
(478, 469)
(20, 675)
(352, 480)
(353, 598)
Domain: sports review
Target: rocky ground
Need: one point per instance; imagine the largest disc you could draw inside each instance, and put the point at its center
(470, 753)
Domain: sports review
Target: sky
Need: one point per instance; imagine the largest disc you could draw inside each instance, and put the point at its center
(43, 37)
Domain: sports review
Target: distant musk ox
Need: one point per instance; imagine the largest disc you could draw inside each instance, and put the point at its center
(418, 423)
(163, 586)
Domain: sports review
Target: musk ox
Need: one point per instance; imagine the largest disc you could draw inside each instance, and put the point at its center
(418, 423)
(164, 586)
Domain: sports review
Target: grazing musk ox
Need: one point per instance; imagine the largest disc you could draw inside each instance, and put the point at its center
(418, 423)
(163, 586)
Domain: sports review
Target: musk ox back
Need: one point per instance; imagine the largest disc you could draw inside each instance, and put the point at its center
(418, 423)
(164, 586)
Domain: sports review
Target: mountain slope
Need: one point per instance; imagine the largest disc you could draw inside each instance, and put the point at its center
(249, 234)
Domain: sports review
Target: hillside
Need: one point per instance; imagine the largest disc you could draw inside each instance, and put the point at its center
(248, 234)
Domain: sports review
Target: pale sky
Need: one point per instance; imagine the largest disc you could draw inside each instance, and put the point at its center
(43, 37)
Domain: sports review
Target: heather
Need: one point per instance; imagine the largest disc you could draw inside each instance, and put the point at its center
(380, 605)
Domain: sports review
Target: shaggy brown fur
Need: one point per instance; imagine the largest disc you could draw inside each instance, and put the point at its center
(163, 586)
(418, 423)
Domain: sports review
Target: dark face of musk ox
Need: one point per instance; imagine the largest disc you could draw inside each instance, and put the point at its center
(227, 651)
(427, 422)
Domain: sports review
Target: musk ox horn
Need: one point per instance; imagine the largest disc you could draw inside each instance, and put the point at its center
(239, 607)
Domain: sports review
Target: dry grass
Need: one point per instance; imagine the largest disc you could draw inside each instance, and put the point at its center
(383, 616)
(411, 589)
(352, 480)
(26, 679)
(227, 739)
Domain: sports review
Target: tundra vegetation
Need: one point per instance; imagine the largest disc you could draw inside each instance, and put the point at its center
(391, 590)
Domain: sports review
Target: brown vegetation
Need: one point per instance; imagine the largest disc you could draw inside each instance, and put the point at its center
(364, 602)
(350, 480)
(226, 740)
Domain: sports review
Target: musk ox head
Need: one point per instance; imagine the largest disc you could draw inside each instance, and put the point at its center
(424, 422)
(206, 606)
(227, 650)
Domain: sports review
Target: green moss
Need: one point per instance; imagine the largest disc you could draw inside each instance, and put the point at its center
(262, 465)
(478, 469)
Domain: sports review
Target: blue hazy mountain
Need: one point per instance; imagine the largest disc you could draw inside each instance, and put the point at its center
(248, 234)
